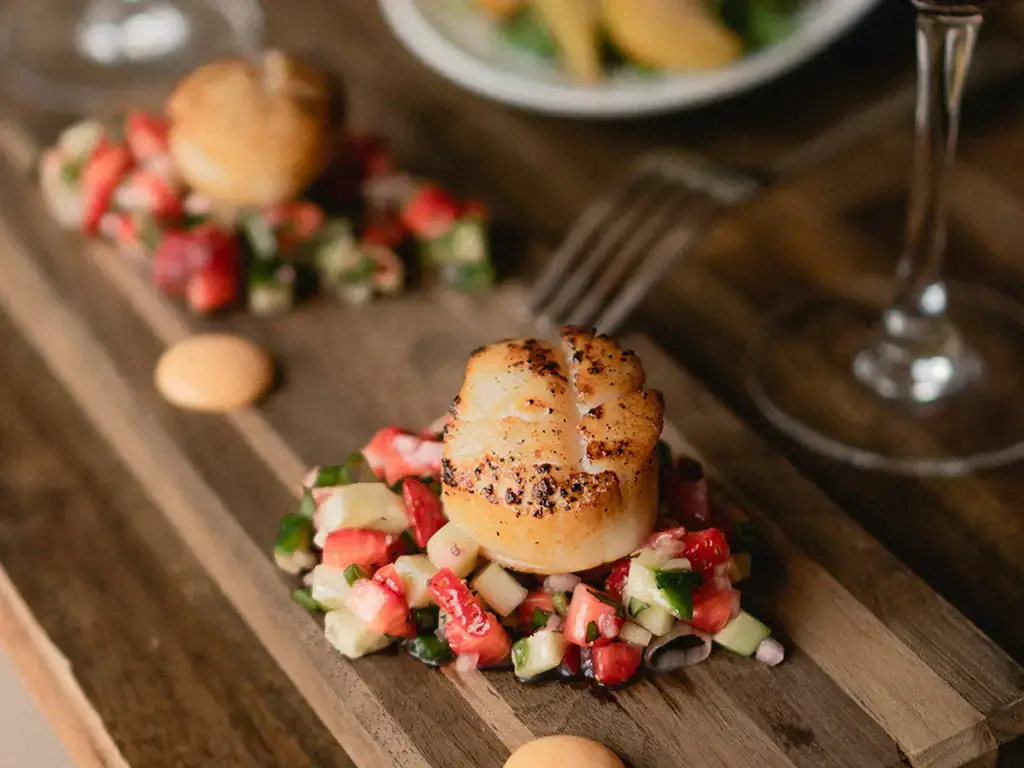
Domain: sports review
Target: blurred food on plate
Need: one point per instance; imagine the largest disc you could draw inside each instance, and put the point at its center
(592, 38)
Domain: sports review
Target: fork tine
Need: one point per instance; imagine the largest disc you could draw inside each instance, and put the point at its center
(609, 237)
(590, 220)
(677, 243)
(650, 232)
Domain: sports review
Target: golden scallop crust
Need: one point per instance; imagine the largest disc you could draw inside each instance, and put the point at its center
(245, 133)
(550, 458)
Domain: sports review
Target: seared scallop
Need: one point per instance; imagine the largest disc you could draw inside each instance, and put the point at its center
(550, 459)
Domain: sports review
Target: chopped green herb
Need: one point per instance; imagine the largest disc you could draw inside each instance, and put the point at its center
(193, 220)
(677, 587)
(426, 619)
(636, 607)
(71, 173)
(592, 632)
(294, 533)
(304, 597)
(259, 235)
(526, 30)
(307, 506)
(430, 649)
(520, 653)
(354, 573)
(607, 600)
(561, 603)
(343, 474)
(540, 618)
(150, 233)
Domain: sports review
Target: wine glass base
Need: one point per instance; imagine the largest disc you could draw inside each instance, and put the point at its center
(806, 371)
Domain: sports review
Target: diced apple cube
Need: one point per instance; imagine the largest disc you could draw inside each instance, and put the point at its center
(328, 586)
(451, 548)
(499, 589)
(416, 571)
(350, 636)
(360, 505)
(655, 620)
(634, 633)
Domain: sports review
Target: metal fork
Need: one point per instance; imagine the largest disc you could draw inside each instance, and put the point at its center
(627, 239)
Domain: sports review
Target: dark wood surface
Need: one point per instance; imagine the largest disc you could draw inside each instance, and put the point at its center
(127, 577)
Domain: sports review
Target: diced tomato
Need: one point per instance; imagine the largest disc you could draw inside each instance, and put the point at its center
(426, 516)
(705, 549)
(684, 493)
(380, 608)
(616, 663)
(395, 453)
(388, 576)
(146, 135)
(455, 599)
(430, 212)
(145, 192)
(102, 173)
(570, 666)
(491, 645)
(384, 230)
(359, 546)
(379, 450)
(295, 222)
(712, 608)
(535, 601)
(215, 284)
(616, 581)
(594, 617)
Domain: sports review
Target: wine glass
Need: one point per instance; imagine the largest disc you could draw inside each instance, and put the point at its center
(99, 56)
(931, 373)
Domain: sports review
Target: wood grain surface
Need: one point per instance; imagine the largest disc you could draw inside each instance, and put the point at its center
(899, 600)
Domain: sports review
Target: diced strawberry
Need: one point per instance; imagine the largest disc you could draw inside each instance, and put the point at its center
(529, 618)
(143, 191)
(571, 662)
(384, 230)
(594, 618)
(102, 173)
(491, 645)
(395, 453)
(616, 663)
(380, 608)
(215, 284)
(455, 599)
(178, 257)
(616, 581)
(295, 222)
(146, 135)
(705, 549)
(712, 608)
(359, 546)
(388, 576)
(430, 213)
(426, 516)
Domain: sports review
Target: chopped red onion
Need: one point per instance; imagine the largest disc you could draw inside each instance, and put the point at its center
(734, 605)
(561, 582)
(682, 646)
(770, 652)
(608, 625)
(466, 662)
(554, 621)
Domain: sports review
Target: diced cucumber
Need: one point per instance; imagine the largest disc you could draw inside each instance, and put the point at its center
(451, 548)
(416, 571)
(500, 589)
(291, 548)
(350, 636)
(634, 633)
(329, 587)
(294, 562)
(354, 573)
(304, 597)
(430, 649)
(561, 603)
(79, 140)
(426, 619)
(739, 567)
(655, 620)
(361, 505)
(538, 653)
(669, 590)
(742, 634)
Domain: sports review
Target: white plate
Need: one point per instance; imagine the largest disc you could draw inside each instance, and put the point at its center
(464, 46)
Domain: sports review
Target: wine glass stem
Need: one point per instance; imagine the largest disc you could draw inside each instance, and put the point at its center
(918, 356)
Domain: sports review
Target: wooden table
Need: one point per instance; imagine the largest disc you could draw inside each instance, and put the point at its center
(176, 675)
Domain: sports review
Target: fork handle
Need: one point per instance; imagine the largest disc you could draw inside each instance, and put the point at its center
(993, 65)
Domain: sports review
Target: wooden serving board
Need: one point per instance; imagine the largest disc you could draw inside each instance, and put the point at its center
(881, 671)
